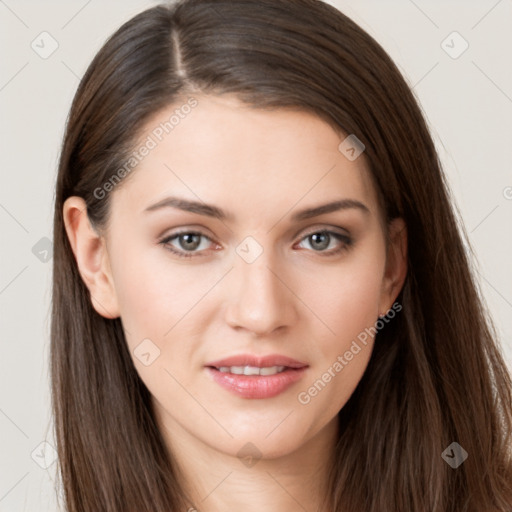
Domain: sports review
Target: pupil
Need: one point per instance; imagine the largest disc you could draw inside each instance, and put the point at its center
(189, 242)
(325, 243)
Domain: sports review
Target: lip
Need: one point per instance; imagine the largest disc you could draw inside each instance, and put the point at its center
(258, 361)
(257, 386)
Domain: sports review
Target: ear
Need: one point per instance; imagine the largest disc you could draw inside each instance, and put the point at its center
(91, 256)
(396, 265)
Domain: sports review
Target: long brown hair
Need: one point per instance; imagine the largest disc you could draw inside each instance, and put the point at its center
(436, 374)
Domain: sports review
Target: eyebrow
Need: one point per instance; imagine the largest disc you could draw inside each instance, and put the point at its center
(213, 211)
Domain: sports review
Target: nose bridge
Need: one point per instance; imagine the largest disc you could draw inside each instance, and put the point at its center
(260, 301)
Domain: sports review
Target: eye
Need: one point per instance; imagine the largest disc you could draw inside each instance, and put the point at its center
(324, 239)
(189, 243)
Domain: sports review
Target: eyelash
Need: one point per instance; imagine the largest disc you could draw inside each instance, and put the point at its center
(347, 242)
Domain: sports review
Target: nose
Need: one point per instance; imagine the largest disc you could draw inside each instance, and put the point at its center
(262, 300)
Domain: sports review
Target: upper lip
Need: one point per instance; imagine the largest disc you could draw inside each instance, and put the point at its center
(258, 361)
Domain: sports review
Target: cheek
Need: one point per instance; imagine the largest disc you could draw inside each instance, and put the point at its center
(343, 351)
(349, 308)
(157, 300)
(348, 300)
(149, 293)
(161, 300)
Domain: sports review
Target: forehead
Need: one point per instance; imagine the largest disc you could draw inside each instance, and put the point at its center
(249, 161)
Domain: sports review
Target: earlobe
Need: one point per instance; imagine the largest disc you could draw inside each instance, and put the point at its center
(91, 256)
(396, 264)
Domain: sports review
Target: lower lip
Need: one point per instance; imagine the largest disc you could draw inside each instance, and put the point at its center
(257, 386)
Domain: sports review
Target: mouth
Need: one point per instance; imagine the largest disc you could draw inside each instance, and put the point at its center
(252, 377)
(251, 370)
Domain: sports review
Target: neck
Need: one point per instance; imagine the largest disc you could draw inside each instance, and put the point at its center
(213, 479)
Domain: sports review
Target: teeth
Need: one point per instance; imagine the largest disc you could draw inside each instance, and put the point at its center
(251, 370)
(272, 370)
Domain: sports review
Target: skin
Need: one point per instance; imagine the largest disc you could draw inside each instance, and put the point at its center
(262, 167)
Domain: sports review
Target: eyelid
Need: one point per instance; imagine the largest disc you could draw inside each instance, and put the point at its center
(324, 227)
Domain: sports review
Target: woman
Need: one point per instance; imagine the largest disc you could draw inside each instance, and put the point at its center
(261, 295)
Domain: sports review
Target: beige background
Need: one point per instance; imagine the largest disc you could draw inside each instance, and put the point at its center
(467, 100)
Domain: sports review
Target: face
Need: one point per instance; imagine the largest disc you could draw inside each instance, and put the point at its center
(218, 257)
